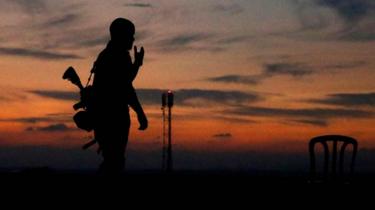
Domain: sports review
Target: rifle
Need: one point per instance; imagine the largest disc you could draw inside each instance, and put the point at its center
(83, 119)
(85, 92)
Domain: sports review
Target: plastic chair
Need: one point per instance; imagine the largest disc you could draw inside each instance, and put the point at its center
(332, 175)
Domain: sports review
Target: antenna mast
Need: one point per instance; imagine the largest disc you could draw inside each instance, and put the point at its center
(167, 162)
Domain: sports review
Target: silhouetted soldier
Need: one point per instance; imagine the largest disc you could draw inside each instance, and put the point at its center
(114, 93)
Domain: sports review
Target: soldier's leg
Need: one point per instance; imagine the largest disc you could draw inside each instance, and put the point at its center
(118, 147)
(113, 144)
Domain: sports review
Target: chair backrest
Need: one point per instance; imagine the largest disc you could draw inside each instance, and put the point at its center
(335, 139)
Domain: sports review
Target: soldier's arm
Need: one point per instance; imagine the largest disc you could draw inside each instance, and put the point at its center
(138, 62)
(137, 107)
(134, 72)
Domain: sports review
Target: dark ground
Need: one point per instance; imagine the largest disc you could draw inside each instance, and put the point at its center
(187, 189)
(183, 178)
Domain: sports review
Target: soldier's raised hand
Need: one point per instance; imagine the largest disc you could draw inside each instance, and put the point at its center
(138, 56)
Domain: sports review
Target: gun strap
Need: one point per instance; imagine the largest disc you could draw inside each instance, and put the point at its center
(91, 73)
(89, 79)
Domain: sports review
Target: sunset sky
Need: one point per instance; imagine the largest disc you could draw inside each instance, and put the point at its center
(252, 79)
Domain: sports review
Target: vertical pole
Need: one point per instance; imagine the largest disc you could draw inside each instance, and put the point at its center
(170, 162)
(163, 152)
(163, 104)
(169, 155)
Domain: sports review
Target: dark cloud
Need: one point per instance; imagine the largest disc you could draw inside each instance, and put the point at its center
(222, 135)
(27, 120)
(283, 68)
(291, 69)
(141, 35)
(361, 33)
(320, 123)
(238, 79)
(141, 5)
(101, 41)
(234, 119)
(233, 40)
(312, 113)
(30, 6)
(51, 128)
(269, 70)
(358, 16)
(350, 10)
(67, 19)
(185, 39)
(197, 49)
(184, 97)
(52, 118)
(150, 96)
(309, 16)
(349, 65)
(9, 95)
(187, 42)
(59, 114)
(60, 25)
(55, 94)
(209, 115)
(57, 120)
(348, 99)
(60, 95)
(231, 8)
(87, 37)
(200, 42)
(40, 54)
(12, 96)
(217, 96)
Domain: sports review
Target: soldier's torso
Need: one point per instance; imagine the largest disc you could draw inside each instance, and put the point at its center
(111, 83)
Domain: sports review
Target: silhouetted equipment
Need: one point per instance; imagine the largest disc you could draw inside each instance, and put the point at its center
(83, 118)
(332, 175)
(71, 75)
(167, 162)
(163, 100)
(170, 98)
(163, 105)
(169, 156)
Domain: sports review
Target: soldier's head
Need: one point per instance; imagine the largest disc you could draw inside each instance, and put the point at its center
(122, 32)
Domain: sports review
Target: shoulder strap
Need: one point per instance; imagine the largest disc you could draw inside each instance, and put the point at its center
(91, 73)
(94, 66)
